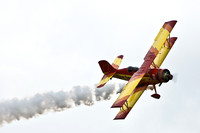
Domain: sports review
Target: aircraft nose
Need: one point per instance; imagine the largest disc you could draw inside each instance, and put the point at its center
(170, 77)
(166, 75)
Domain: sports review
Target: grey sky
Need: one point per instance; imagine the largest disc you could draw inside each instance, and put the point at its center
(55, 45)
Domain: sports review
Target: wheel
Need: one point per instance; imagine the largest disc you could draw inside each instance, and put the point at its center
(156, 96)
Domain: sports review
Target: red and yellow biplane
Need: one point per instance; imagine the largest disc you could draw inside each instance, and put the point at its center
(140, 78)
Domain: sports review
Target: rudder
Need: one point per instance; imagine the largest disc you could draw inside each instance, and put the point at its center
(106, 67)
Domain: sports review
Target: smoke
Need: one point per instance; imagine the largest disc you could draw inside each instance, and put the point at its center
(15, 109)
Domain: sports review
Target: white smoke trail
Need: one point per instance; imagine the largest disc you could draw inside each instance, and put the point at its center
(16, 109)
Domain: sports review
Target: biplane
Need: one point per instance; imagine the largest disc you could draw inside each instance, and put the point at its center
(149, 73)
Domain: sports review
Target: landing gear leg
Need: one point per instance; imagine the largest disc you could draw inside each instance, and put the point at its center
(156, 95)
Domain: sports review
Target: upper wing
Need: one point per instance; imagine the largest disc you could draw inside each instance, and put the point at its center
(163, 52)
(150, 56)
(126, 108)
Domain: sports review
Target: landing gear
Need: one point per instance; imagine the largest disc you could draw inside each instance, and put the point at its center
(156, 95)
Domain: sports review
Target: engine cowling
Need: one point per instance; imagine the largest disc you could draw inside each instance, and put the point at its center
(164, 75)
(132, 69)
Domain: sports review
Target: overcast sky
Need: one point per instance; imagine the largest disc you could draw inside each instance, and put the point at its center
(55, 45)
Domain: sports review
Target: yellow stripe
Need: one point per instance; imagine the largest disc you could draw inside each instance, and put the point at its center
(104, 80)
(128, 89)
(117, 62)
(160, 40)
(161, 56)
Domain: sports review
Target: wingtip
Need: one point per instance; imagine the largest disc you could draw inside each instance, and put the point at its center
(120, 56)
(118, 119)
(169, 25)
(173, 39)
(121, 115)
(101, 85)
(120, 102)
(172, 23)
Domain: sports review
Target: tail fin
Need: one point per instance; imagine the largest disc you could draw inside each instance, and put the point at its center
(108, 69)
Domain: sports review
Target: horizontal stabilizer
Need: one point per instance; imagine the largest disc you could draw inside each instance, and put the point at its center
(105, 79)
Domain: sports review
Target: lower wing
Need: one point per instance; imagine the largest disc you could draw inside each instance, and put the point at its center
(126, 108)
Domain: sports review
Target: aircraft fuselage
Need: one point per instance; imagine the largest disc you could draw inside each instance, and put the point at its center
(152, 76)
